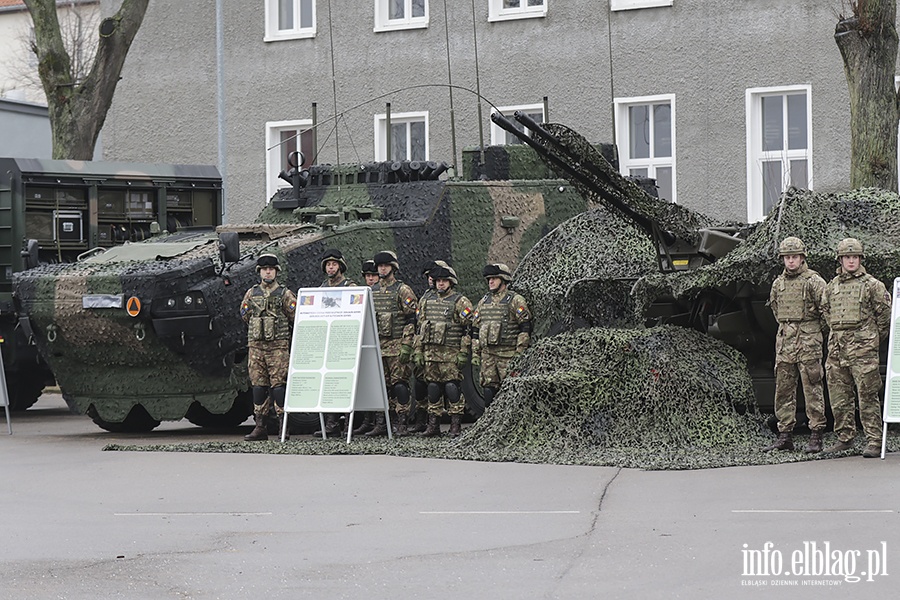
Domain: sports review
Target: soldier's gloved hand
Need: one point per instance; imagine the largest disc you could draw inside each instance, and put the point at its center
(419, 359)
(405, 353)
(476, 360)
(462, 359)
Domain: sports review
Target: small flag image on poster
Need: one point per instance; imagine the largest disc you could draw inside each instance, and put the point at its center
(307, 300)
(356, 298)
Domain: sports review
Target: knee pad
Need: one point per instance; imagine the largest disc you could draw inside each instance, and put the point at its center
(421, 390)
(434, 393)
(401, 393)
(451, 389)
(260, 393)
(278, 395)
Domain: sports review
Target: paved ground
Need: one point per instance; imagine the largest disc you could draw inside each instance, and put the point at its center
(80, 523)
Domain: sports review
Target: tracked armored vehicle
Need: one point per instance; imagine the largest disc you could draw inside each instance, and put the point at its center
(151, 331)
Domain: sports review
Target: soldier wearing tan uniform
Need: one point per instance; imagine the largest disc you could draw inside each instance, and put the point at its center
(857, 308)
(501, 329)
(443, 348)
(268, 309)
(395, 311)
(795, 300)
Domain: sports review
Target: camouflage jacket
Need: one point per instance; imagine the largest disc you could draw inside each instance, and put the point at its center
(501, 324)
(261, 309)
(857, 308)
(395, 310)
(337, 281)
(796, 300)
(444, 326)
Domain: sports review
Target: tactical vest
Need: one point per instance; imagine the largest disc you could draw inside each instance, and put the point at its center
(387, 311)
(792, 299)
(846, 303)
(495, 328)
(344, 283)
(268, 322)
(438, 327)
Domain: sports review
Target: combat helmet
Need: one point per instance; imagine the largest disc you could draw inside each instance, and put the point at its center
(497, 270)
(439, 272)
(267, 260)
(337, 257)
(369, 268)
(387, 257)
(426, 270)
(850, 247)
(792, 245)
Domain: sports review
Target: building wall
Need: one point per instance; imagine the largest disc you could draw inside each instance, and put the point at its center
(26, 130)
(580, 55)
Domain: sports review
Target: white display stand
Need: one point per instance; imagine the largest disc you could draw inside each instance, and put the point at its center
(335, 364)
(4, 394)
(892, 378)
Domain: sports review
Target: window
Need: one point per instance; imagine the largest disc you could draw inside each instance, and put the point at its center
(409, 136)
(400, 14)
(633, 4)
(290, 19)
(501, 137)
(282, 138)
(779, 146)
(645, 136)
(504, 10)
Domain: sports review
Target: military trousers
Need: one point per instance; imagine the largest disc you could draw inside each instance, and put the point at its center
(867, 378)
(810, 375)
(268, 366)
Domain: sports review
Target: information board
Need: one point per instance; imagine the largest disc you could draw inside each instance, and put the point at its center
(892, 378)
(335, 364)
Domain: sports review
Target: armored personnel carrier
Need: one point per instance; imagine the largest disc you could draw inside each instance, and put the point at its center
(151, 331)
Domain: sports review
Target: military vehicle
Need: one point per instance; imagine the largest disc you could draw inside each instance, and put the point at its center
(654, 262)
(151, 331)
(53, 211)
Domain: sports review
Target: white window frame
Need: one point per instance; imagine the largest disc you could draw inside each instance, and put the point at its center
(273, 34)
(615, 5)
(755, 154)
(623, 132)
(273, 152)
(383, 23)
(407, 117)
(498, 134)
(496, 12)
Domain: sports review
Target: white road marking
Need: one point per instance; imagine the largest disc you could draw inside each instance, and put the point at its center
(194, 514)
(499, 512)
(817, 510)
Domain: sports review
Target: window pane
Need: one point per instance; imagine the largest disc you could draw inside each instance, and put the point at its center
(285, 14)
(398, 141)
(417, 140)
(395, 9)
(535, 2)
(796, 107)
(664, 183)
(306, 147)
(639, 131)
(771, 172)
(638, 172)
(773, 123)
(418, 8)
(288, 139)
(662, 130)
(510, 3)
(306, 13)
(799, 176)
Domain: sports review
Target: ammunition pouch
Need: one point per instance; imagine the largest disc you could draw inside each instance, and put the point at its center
(385, 324)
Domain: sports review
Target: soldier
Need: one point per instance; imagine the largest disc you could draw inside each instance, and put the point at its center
(501, 329)
(370, 274)
(857, 308)
(421, 387)
(443, 348)
(796, 299)
(268, 309)
(334, 267)
(395, 311)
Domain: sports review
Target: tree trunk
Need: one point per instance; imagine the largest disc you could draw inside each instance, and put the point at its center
(868, 44)
(78, 108)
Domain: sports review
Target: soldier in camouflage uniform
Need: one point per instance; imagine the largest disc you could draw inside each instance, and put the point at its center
(334, 267)
(796, 299)
(268, 309)
(857, 308)
(421, 388)
(501, 329)
(395, 311)
(443, 348)
(367, 422)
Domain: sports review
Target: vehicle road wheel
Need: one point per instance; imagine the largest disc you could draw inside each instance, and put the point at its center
(472, 391)
(24, 390)
(137, 421)
(233, 417)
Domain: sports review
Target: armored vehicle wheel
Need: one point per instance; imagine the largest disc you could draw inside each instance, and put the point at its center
(137, 421)
(24, 390)
(234, 416)
(305, 423)
(472, 391)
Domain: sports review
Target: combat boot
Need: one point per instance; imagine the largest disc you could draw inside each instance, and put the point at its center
(455, 425)
(873, 450)
(380, 426)
(815, 443)
(840, 446)
(365, 425)
(421, 421)
(785, 441)
(434, 426)
(401, 429)
(287, 432)
(259, 432)
(332, 425)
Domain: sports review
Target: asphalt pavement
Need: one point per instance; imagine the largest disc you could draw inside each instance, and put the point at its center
(78, 522)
